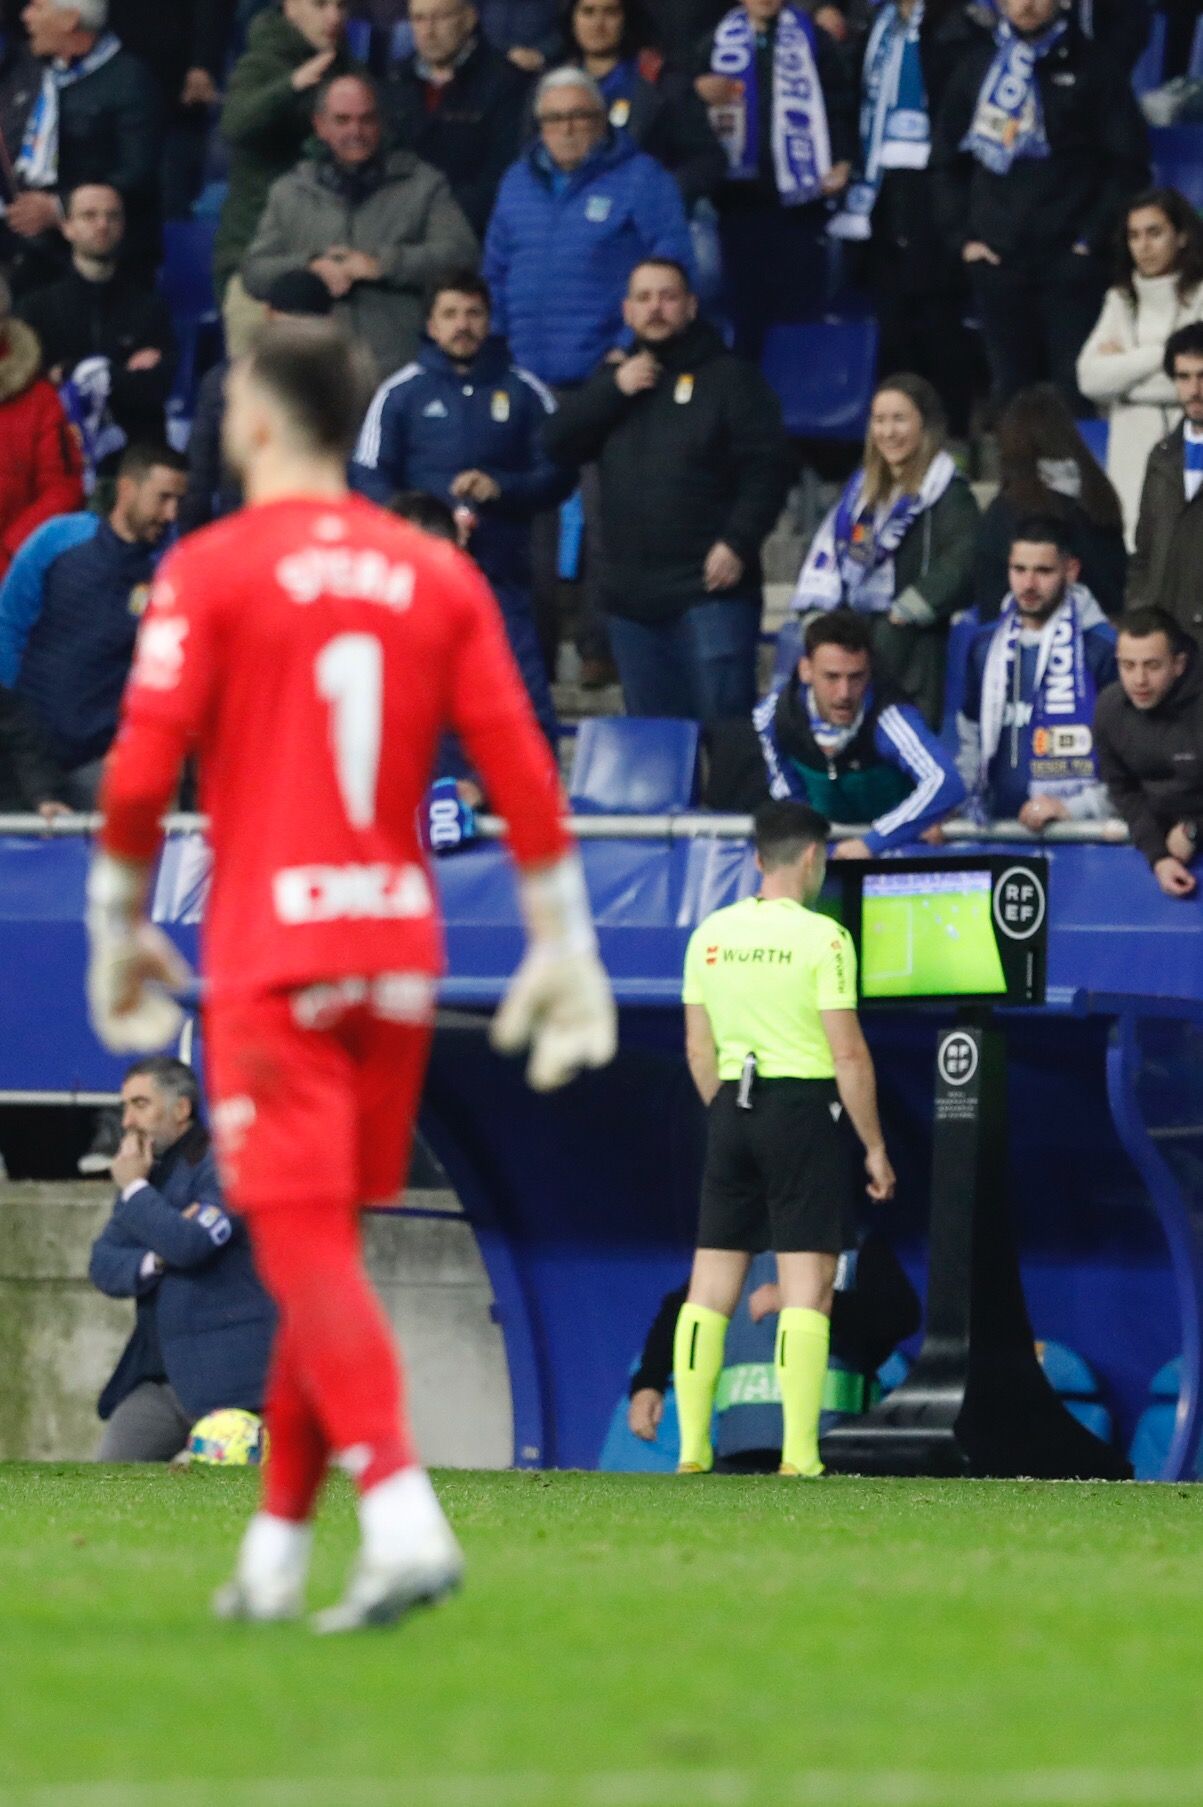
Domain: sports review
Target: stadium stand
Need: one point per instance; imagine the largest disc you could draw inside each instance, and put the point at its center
(1114, 938)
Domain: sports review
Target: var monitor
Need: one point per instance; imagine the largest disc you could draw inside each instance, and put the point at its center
(973, 929)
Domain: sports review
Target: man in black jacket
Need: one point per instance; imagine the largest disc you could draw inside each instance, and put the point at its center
(458, 104)
(1037, 146)
(99, 312)
(692, 458)
(78, 108)
(1148, 738)
(1164, 567)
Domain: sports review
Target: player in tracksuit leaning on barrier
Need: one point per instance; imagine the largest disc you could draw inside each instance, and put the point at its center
(831, 737)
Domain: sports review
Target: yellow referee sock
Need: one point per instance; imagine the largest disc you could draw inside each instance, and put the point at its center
(697, 1364)
(803, 1338)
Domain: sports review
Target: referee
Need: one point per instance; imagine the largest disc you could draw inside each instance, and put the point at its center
(776, 1052)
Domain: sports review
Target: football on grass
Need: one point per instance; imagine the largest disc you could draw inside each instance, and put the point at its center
(228, 1439)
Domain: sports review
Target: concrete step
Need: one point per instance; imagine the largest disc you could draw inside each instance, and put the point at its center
(60, 1338)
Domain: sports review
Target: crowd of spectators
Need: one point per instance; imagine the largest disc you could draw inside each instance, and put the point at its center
(563, 230)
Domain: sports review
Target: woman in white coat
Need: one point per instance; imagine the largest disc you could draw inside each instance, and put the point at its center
(1160, 288)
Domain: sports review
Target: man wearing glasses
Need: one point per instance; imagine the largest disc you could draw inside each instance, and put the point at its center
(574, 216)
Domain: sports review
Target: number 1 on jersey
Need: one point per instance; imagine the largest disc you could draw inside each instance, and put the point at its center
(349, 672)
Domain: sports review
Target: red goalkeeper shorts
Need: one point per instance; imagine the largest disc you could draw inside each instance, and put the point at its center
(314, 1093)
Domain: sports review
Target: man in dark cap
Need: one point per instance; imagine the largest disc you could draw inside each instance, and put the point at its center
(212, 490)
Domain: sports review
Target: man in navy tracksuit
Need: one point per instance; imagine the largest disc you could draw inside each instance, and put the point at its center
(69, 613)
(204, 1324)
(464, 423)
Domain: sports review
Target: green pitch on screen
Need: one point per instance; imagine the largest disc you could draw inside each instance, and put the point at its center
(937, 946)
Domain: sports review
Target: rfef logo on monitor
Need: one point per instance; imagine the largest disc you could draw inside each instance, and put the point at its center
(1019, 903)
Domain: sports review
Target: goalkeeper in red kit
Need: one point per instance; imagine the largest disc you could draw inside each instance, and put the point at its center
(311, 650)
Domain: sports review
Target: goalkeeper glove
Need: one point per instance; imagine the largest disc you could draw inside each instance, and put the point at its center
(129, 961)
(559, 1002)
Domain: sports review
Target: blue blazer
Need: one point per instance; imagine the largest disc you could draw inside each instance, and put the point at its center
(205, 1323)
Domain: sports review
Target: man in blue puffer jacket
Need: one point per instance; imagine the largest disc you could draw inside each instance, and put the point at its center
(204, 1324)
(574, 215)
(464, 423)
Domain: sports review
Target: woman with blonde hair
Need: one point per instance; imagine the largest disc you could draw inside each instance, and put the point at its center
(1158, 288)
(898, 545)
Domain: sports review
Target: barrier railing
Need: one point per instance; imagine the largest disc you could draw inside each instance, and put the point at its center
(687, 826)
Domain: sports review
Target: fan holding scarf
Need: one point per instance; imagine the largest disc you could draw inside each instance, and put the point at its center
(1026, 725)
(81, 110)
(782, 107)
(1038, 145)
(898, 545)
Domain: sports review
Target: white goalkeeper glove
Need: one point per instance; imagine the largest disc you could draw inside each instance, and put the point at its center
(559, 1002)
(129, 963)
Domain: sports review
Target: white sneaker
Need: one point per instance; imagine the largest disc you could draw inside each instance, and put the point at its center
(382, 1591)
(269, 1581)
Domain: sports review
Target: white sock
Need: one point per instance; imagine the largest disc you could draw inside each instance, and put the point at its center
(399, 1513)
(274, 1547)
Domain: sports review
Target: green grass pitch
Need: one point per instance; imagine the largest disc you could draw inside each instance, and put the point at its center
(937, 947)
(621, 1642)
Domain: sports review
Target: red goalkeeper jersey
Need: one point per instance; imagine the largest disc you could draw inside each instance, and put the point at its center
(312, 653)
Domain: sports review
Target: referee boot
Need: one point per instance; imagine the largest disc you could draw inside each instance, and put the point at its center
(803, 1474)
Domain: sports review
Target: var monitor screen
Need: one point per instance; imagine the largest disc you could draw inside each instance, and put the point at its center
(971, 929)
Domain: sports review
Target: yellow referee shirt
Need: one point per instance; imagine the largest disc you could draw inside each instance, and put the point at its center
(764, 969)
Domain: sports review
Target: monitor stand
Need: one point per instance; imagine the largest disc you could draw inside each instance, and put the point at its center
(976, 1401)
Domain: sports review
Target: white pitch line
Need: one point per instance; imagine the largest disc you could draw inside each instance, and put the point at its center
(644, 1788)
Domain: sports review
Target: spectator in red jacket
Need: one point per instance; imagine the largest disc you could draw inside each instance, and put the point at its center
(41, 468)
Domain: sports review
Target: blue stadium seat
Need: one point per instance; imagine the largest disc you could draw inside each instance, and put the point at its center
(186, 283)
(1097, 434)
(823, 372)
(1178, 159)
(1150, 65)
(960, 638)
(788, 649)
(1074, 1380)
(633, 765)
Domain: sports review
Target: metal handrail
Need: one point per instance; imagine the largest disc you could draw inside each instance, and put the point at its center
(687, 825)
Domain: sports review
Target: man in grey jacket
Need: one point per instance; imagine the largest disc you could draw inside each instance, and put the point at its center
(376, 228)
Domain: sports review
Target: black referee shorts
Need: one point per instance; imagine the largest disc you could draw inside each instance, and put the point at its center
(790, 1163)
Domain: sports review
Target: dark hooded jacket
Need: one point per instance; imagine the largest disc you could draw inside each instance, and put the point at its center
(1151, 760)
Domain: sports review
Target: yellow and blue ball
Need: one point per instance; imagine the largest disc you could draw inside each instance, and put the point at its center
(230, 1438)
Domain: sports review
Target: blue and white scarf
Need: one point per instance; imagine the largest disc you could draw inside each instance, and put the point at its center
(851, 558)
(895, 129)
(1009, 120)
(784, 780)
(86, 396)
(37, 161)
(800, 139)
(1062, 760)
